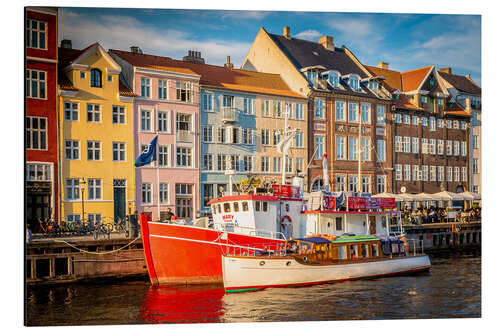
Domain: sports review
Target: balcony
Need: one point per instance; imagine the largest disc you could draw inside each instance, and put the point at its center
(185, 136)
(229, 114)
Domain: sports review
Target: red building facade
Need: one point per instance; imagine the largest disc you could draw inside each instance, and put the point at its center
(41, 180)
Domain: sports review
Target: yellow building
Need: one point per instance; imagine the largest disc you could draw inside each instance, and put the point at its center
(96, 133)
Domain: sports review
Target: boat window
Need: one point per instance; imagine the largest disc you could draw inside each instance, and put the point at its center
(265, 205)
(218, 208)
(257, 206)
(384, 222)
(236, 207)
(364, 250)
(374, 250)
(287, 207)
(354, 251)
(227, 207)
(214, 209)
(338, 223)
(342, 252)
(244, 206)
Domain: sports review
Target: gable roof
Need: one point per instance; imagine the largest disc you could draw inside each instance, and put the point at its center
(461, 83)
(412, 80)
(214, 76)
(392, 78)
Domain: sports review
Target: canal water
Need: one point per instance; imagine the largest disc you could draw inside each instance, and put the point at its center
(451, 290)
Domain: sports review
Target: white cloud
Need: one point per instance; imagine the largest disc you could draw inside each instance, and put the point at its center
(121, 32)
(308, 34)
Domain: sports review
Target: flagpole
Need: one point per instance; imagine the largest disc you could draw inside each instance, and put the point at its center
(283, 175)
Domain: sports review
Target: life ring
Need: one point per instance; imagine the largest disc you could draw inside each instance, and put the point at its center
(286, 217)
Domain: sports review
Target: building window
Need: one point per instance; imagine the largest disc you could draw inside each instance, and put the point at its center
(73, 218)
(340, 148)
(94, 218)
(183, 157)
(456, 148)
(381, 150)
(464, 148)
(208, 162)
(423, 99)
(162, 89)
(353, 112)
(94, 189)
(119, 151)
(82, 75)
(265, 107)
(340, 111)
(38, 172)
(407, 144)
(475, 142)
(415, 120)
(276, 164)
(72, 189)
(457, 174)
(464, 174)
(397, 118)
(432, 173)
(264, 164)
(440, 174)
(353, 148)
(118, 115)
(70, 111)
(475, 189)
(163, 156)
(36, 83)
(36, 133)
(414, 145)
(264, 137)
(145, 87)
(183, 122)
(475, 165)
(406, 119)
(425, 173)
(247, 106)
(221, 162)
(425, 146)
(95, 78)
(432, 124)
(455, 124)
(247, 136)
(207, 133)
(333, 79)
(366, 184)
(183, 91)
(72, 149)
(235, 162)
(36, 34)
(432, 146)
(423, 121)
(162, 121)
(276, 137)
(319, 146)
(319, 108)
(449, 174)
(340, 184)
(234, 133)
(183, 189)
(207, 102)
(110, 78)
(93, 113)
(299, 164)
(407, 172)
(353, 183)
(415, 173)
(146, 193)
(398, 144)
(449, 148)
(208, 194)
(440, 123)
(381, 181)
(365, 149)
(247, 163)
(299, 111)
(365, 113)
(448, 124)
(146, 121)
(163, 193)
(463, 125)
(354, 82)
(399, 175)
(380, 115)
(93, 150)
(288, 165)
(440, 147)
(299, 140)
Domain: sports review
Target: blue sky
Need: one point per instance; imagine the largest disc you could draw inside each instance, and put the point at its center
(405, 41)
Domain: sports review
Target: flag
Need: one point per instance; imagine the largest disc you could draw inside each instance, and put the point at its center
(286, 142)
(148, 155)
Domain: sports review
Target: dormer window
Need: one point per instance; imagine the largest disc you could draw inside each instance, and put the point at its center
(95, 78)
(354, 82)
(431, 82)
(312, 76)
(373, 85)
(332, 77)
(423, 99)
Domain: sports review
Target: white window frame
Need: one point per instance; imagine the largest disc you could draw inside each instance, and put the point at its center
(41, 34)
(207, 133)
(37, 83)
(163, 193)
(184, 153)
(39, 133)
(351, 111)
(380, 115)
(165, 153)
(73, 148)
(71, 111)
(340, 147)
(72, 189)
(163, 121)
(119, 112)
(320, 144)
(399, 172)
(146, 193)
(208, 162)
(366, 113)
(163, 89)
(120, 149)
(146, 121)
(94, 189)
(94, 146)
(93, 112)
(340, 110)
(319, 108)
(145, 87)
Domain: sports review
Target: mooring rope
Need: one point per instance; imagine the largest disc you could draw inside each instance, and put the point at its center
(97, 253)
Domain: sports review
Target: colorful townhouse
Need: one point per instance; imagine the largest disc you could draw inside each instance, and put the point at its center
(430, 132)
(467, 94)
(96, 124)
(41, 186)
(347, 115)
(242, 121)
(167, 106)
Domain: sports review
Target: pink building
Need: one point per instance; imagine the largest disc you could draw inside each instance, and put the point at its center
(167, 105)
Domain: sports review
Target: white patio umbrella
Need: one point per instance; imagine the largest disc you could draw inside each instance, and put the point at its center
(424, 197)
(405, 197)
(384, 195)
(446, 195)
(471, 195)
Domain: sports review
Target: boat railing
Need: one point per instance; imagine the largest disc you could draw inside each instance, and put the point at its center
(269, 249)
(232, 227)
(415, 247)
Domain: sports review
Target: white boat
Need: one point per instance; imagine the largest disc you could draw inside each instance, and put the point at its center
(318, 260)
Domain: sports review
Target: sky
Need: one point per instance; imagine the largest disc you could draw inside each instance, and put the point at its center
(405, 41)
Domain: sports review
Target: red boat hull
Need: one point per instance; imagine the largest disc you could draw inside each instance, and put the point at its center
(181, 254)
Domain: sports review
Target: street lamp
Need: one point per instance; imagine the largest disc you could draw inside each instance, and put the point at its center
(82, 184)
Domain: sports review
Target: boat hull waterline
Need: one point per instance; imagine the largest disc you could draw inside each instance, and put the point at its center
(252, 273)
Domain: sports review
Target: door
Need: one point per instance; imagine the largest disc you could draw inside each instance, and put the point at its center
(373, 225)
(38, 203)
(119, 199)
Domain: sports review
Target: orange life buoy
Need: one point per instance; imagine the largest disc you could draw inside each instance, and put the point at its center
(286, 217)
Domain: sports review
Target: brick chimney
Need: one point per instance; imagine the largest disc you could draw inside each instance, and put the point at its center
(228, 63)
(194, 56)
(383, 65)
(446, 70)
(135, 49)
(66, 44)
(327, 42)
(468, 76)
(286, 32)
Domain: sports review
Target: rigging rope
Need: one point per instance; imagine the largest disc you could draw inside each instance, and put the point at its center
(97, 253)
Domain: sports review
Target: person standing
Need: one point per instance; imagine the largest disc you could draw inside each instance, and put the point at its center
(169, 215)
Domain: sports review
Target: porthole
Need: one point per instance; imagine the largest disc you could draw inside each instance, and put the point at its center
(304, 258)
(262, 263)
(288, 263)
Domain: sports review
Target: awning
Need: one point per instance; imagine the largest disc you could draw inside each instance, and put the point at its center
(425, 197)
(471, 195)
(384, 195)
(405, 197)
(446, 195)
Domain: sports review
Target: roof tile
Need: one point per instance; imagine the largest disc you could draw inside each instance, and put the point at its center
(412, 79)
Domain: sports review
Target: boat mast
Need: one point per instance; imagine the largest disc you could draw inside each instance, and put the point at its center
(359, 150)
(283, 164)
